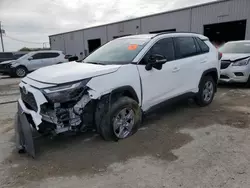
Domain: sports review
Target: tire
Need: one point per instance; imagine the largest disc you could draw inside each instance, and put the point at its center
(21, 71)
(123, 105)
(204, 98)
(248, 83)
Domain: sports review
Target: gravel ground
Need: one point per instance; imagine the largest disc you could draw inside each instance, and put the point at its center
(181, 145)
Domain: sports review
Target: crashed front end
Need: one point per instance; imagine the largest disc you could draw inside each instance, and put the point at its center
(51, 109)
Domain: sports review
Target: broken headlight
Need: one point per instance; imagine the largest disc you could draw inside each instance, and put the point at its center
(66, 92)
(241, 62)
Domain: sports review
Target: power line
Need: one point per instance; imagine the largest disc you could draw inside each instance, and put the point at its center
(12, 38)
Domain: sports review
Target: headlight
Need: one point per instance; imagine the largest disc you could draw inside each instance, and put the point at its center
(65, 92)
(241, 62)
(13, 63)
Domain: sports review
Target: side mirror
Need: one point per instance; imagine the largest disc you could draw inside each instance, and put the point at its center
(155, 61)
(30, 58)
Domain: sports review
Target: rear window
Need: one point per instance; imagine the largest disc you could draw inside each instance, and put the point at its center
(237, 47)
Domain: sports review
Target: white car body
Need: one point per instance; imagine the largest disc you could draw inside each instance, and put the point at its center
(232, 73)
(32, 61)
(150, 87)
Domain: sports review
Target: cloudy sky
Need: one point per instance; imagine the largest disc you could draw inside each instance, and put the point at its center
(29, 22)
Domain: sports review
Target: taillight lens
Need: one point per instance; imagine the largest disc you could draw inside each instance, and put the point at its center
(219, 55)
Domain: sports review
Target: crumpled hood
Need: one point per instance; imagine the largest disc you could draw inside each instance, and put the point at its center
(6, 62)
(234, 57)
(71, 71)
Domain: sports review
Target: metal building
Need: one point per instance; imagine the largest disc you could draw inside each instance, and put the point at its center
(221, 21)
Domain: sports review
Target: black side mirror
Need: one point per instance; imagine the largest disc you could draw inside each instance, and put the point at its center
(155, 61)
(30, 58)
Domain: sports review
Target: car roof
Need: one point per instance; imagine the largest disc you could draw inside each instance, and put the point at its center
(169, 34)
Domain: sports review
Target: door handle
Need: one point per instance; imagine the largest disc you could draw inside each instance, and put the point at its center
(175, 69)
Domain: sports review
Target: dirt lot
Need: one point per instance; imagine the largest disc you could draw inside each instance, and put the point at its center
(178, 146)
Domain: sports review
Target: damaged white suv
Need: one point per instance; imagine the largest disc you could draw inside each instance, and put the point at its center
(111, 89)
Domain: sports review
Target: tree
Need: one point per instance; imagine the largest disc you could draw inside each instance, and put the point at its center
(25, 49)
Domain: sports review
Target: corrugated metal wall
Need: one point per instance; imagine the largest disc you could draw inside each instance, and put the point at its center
(192, 19)
(175, 20)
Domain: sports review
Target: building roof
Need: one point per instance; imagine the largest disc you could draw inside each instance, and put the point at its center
(175, 10)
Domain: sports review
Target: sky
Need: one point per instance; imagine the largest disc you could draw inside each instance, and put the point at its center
(28, 23)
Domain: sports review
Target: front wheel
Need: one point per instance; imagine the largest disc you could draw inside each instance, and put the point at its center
(21, 72)
(206, 91)
(122, 119)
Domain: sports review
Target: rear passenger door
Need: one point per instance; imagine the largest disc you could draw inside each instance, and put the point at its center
(189, 60)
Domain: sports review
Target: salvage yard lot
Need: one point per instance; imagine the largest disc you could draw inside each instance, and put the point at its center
(178, 146)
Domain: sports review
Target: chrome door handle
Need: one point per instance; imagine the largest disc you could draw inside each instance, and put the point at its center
(175, 69)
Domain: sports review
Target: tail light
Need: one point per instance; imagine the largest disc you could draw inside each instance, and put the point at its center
(219, 55)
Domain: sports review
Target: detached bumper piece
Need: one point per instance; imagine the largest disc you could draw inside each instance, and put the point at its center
(25, 134)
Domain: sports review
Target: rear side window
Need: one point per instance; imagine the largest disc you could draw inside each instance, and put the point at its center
(50, 55)
(185, 47)
(202, 44)
(45, 55)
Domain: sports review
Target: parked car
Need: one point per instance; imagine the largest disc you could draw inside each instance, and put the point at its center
(31, 61)
(235, 64)
(5, 56)
(111, 89)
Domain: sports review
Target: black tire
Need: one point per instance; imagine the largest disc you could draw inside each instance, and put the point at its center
(248, 83)
(21, 71)
(105, 127)
(200, 99)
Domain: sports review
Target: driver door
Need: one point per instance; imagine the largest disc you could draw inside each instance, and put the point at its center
(159, 85)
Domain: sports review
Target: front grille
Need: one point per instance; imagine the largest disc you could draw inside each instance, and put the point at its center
(225, 64)
(29, 100)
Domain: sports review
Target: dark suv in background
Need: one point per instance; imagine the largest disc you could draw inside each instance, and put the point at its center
(6, 56)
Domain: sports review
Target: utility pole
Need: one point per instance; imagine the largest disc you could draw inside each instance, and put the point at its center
(1, 35)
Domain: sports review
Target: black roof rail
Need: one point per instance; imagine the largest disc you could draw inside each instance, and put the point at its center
(171, 32)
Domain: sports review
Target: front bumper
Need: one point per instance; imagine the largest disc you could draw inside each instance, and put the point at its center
(24, 132)
(6, 70)
(235, 74)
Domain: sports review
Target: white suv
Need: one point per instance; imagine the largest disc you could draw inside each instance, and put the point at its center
(111, 89)
(32, 61)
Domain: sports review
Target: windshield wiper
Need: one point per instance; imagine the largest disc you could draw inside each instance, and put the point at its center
(95, 63)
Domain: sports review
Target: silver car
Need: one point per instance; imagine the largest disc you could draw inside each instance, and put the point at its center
(235, 62)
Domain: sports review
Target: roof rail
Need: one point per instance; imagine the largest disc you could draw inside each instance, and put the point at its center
(170, 32)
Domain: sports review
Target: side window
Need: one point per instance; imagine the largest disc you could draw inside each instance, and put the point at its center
(163, 47)
(185, 47)
(38, 56)
(202, 45)
(50, 55)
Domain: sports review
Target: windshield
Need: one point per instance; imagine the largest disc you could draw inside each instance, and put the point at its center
(119, 51)
(242, 47)
(17, 56)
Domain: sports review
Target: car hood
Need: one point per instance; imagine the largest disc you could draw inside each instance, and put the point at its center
(69, 72)
(234, 57)
(6, 62)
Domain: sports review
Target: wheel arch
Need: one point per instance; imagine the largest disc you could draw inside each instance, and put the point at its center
(127, 91)
(210, 72)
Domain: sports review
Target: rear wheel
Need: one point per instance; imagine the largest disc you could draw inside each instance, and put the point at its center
(21, 71)
(206, 91)
(122, 119)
